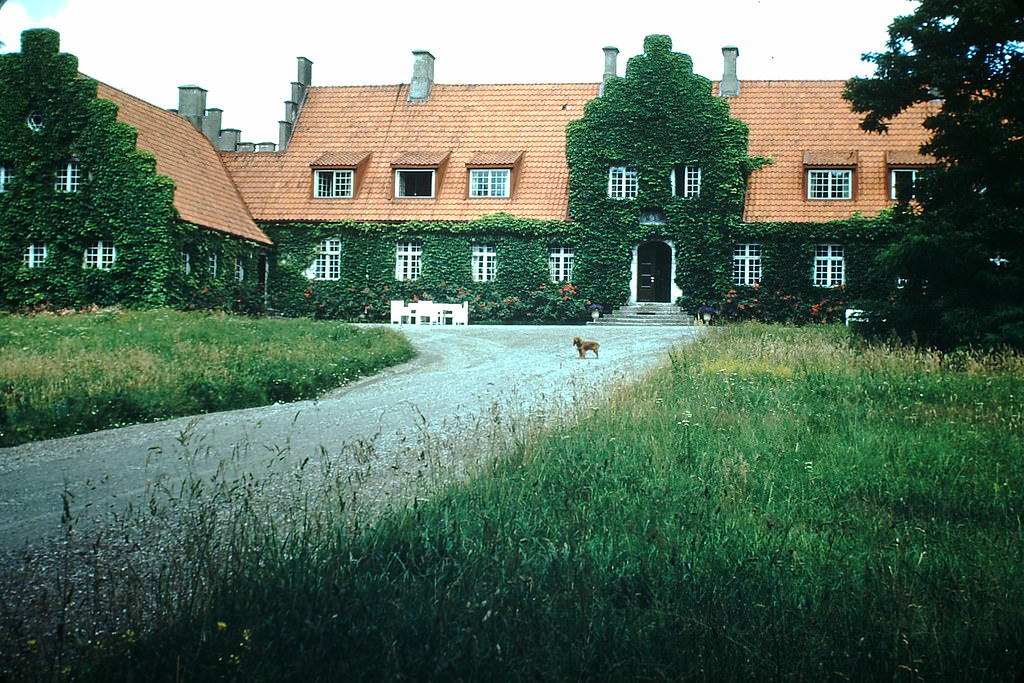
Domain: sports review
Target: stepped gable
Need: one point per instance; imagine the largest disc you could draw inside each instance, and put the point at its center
(518, 125)
(204, 192)
(800, 124)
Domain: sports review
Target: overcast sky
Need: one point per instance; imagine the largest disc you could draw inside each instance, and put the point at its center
(244, 52)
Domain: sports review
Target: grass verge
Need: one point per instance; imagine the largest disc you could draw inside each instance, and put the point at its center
(62, 375)
(772, 503)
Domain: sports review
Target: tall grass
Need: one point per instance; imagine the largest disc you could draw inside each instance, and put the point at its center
(62, 375)
(771, 504)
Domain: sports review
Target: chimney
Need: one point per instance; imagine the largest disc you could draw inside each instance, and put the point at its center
(265, 146)
(611, 70)
(422, 76)
(192, 104)
(284, 134)
(211, 124)
(293, 106)
(730, 85)
(229, 139)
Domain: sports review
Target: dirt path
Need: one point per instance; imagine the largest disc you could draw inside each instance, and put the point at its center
(462, 383)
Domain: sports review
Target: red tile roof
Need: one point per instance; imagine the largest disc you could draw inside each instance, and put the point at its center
(795, 123)
(807, 123)
(460, 125)
(204, 193)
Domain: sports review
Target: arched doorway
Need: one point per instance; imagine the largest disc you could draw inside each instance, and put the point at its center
(653, 272)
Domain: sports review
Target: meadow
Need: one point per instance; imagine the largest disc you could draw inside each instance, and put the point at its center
(68, 374)
(772, 503)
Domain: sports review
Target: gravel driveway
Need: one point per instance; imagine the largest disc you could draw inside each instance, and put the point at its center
(470, 385)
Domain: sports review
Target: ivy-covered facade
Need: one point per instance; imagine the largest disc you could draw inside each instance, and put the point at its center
(85, 216)
(528, 202)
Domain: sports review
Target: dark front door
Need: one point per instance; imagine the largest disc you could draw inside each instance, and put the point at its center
(654, 272)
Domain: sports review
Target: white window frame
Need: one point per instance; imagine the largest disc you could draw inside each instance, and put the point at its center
(400, 185)
(101, 255)
(214, 263)
(913, 181)
(689, 188)
(829, 265)
(186, 259)
(560, 262)
(35, 254)
(830, 184)
(408, 260)
(69, 178)
(746, 264)
(490, 182)
(484, 262)
(327, 264)
(6, 177)
(334, 183)
(623, 182)
(239, 269)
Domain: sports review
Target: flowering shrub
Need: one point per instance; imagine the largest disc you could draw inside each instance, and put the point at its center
(776, 305)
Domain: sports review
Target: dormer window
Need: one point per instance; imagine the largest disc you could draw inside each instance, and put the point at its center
(905, 166)
(335, 174)
(416, 173)
(410, 182)
(686, 181)
(622, 182)
(830, 174)
(334, 183)
(489, 182)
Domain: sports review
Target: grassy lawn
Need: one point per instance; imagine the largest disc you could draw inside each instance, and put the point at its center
(62, 375)
(771, 504)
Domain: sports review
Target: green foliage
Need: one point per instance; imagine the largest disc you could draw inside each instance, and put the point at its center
(78, 372)
(971, 56)
(120, 198)
(658, 117)
(744, 514)
(520, 292)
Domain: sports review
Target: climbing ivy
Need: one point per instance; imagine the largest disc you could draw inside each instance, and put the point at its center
(120, 198)
(521, 290)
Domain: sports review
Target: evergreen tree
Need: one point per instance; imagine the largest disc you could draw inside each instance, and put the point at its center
(962, 254)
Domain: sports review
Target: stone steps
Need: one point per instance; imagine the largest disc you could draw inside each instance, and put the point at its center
(646, 313)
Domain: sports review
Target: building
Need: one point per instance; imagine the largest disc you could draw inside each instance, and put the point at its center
(528, 200)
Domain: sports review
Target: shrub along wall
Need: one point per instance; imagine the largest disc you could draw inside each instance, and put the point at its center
(521, 290)
(51, 118)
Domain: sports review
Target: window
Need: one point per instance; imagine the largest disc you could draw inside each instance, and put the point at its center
(902, 182)
(408, 260)
(6, 177)
(337, 183)
(560, 263)
(186, 261)
(213, 265)
(622, 182)
(484, 262)
(239, 269)
(327, 264)
(418, 183)
(829, 184)
(69, 177)
(828, 265)
(35, 122)
(35, 255)
(100, 255)
(746, 264)
(489, 182)
(686, 181)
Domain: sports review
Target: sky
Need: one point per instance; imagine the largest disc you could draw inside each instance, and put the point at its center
(244, 52)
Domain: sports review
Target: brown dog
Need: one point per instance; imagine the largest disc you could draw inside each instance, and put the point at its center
(584, 346)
